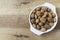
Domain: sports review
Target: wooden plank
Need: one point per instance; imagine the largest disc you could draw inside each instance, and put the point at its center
(22, 8)
(53, 35)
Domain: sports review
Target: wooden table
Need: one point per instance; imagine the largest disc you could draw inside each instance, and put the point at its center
(21, 8)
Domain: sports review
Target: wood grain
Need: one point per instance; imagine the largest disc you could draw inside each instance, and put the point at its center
(21, 10)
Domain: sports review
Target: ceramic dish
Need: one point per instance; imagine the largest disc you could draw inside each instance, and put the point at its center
(53, 9)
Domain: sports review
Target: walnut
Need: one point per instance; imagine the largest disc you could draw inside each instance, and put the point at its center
(38, 9)
(47, 26)
(43, 29)
(54, 19)
(32, 20)
(32, 15)
(42, 11)
(39, 17)
(53, 15)
(38, 27)
(36, 16)
(34, 11)
(49, 19)
(44, 8)
(48, 10)
(45, 14)
(51, 24)
(37, 20)
(38, 13)
(43, 20)
(34, 25)
(50, 15)
(40, 23)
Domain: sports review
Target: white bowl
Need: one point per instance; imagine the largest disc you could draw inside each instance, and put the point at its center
(38, 32)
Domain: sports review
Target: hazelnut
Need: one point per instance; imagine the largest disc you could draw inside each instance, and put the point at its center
(43, 29)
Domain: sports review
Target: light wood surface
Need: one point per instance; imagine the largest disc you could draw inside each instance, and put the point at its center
(17, 11)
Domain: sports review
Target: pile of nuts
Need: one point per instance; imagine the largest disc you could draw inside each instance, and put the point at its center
(42, 18)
